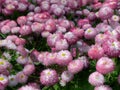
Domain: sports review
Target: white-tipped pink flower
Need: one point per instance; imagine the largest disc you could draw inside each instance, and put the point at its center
(61, 44)
(22, 60)
(28, 69)
(21, 77)
(90, 33)
(85, 61)
(12, 80)
(48, 77)
(25, 30)
(63, 57)
(103, 87)
(96, 79)
(28, 87)
(75, 66)
(105, 65)
(15, 30)
(3, 80)
(37, 27)
(52, 38)
(5, 29)
(78, 32)
(50, 59)
(50, 25)
(70, 37)
(66, 76)
(96, 52)
(22, 20)
(105, 13)
(111, 48)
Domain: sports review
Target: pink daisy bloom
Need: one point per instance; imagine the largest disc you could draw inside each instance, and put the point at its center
(66, 76)
(28, 69)
(48, 77)
(103, 87)
(28, 87)
(75, 66)
(63, 57)
(96, 79)
(96, 52)
(105, 65)
(21, 77)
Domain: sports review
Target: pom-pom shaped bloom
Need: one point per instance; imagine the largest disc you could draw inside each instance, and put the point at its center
(5, 29)
(48, 77)
(78, 32)
(50, 59)
(96, 79)
(22, 60)
(3, 80)
(37, 27)
(75, 66)
(52, 38)
(28, 87)
(103, 87)
(12, 80)
(50, 25)
(85, 61)
(70, 37)
(96, 52)
(90, 33)
(22, 20)
(21, 77)
(105, 13)
(105, 65)
(63, 57)
(29, 69)
(66, 76)
(112, 48)
(61, 44)
(25, 30)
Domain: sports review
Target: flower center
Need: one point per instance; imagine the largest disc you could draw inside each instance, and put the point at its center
(1, 78)
(63, 54)
(1, 63)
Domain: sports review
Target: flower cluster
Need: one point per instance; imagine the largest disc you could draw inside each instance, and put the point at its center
(77, 33)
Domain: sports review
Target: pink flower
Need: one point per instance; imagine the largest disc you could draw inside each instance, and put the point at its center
(70, 37)
(75, 66)
(21, 77)
(105, 13)
(50, 25)
(63, 57)
(37, 27)
(3, 80)
(96, 52)
(52, 38)
(48, 77)
(96, 79)
(78, 32)
(49, 59)
(28, 69)
(22, 60)
(66, 76)
(105, 65)
(25, 30)
(90, 33)
(22, 20)
(12, 80)
(103, 87)
(28, 87)
(5, 29)
(111, 48)
(61, 44)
